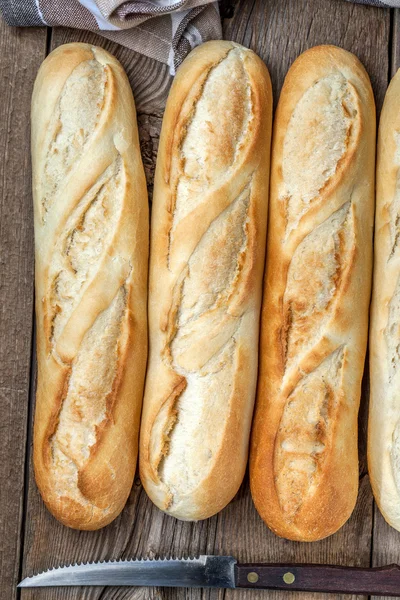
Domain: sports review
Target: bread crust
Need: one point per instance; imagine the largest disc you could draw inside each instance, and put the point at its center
(91, 253)
(303, 460)
(192, 463)
(383, 422)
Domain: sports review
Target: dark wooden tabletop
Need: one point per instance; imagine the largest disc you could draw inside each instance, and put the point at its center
(30, 538)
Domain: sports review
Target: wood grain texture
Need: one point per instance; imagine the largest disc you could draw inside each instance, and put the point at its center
(278, 31)
(395, 42)
(385, 544)
(21, 53)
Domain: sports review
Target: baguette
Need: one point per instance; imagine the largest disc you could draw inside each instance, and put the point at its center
(304, 463)
(91, 248)
(206, 264)
(384, 408)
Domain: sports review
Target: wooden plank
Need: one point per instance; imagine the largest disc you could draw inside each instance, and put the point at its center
(385, 539)
(278, 31)
(395, 50)
(385, 544)
(21, 52)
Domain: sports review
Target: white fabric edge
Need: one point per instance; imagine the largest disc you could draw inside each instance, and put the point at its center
(40, 12)
(102, 22)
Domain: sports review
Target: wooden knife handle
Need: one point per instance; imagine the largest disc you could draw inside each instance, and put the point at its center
(382, 581)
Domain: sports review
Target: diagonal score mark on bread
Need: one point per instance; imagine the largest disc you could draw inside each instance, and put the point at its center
(314, 284)
(391, 334)
(210, 270)
(85, 307)
(394, 209)
(205, 360)
(330, 109)
(392, 337)
(86, 407)
(81, 253)
(392, 329)
(72, 125)
(305, 433)
(209, 285)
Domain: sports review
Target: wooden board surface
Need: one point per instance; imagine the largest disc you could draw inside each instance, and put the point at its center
(278, 30)
(21, 54)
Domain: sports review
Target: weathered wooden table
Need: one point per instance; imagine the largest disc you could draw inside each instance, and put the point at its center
(30, 539)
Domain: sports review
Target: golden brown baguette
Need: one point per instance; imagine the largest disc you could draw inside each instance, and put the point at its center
(206, 264)
(304, 464)
(384, 407)
(91, 240)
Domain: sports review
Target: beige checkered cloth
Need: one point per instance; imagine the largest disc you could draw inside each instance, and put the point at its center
(163, 29)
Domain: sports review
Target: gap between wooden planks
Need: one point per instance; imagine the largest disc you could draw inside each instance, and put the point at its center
(278, 30)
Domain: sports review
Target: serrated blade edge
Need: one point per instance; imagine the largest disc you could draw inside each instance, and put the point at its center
(204, 571)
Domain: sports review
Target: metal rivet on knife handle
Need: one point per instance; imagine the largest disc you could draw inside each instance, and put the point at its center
(252, 577)
(289, 578)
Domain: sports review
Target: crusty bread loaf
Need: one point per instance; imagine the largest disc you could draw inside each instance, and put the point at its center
(91, 240)
(303, 465)
(384, 407)
(206, 264)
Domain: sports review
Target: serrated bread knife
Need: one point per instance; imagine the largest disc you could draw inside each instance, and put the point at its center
(224, 572)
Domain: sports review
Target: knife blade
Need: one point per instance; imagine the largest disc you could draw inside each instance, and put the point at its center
(204, 571)
(223, 572)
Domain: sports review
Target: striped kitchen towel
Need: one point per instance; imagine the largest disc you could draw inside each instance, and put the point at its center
(162, 29)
